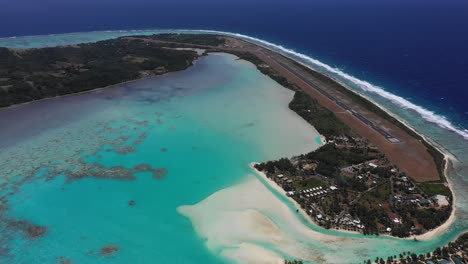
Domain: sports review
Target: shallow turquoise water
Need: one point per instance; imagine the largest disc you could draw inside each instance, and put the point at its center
(203, 125)
(209, 139)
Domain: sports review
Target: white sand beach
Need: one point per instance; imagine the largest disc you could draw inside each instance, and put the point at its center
(232, 220)
(274, 185)
(442, 228)
(426, 236)
(248, 223)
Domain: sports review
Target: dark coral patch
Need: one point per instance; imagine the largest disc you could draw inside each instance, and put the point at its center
(63, 260)
(143, 135)
(29, 229)
(159, 173)
(109, 250)
(125, 150)
(143, 167)
(163, 149)
(99, 171)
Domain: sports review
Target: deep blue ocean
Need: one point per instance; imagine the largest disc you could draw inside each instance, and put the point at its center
(415, 49)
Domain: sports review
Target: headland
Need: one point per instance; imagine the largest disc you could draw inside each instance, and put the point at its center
(381, 161)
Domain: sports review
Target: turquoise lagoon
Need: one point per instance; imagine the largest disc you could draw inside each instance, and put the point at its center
(203, 126)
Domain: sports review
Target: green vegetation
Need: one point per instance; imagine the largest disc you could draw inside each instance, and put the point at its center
(321, 118)
(454, 252)
(309, 183)
(369, 217)
(330, 159)
(47, 72)
(378, 195)
(265, 69)
(40, 73)
(193, 39)
(293, 262)
(435, 153)
(431, 218)
(283, 165)
(434, 188)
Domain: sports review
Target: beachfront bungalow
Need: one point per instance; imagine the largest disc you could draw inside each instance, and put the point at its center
(394, 218)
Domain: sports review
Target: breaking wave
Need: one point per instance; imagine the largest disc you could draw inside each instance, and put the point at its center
(428, 115)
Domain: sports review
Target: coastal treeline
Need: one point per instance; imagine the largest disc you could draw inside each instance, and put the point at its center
(454, 252)
(359, 189)
(293, 262)
(323, 120)
(355, 193)
(191, 39)
(32, 74)
(438, 157)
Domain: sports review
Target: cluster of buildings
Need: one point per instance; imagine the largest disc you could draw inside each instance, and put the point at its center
(407, 192)
(349, 142)
(315, 192)
(346, 221)
(375, 182)
(280, 178)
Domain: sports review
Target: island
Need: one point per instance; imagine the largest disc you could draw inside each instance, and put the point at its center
(455, 252)
(372, 175)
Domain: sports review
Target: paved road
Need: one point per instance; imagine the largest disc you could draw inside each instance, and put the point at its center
(293, 69)
(410, 155)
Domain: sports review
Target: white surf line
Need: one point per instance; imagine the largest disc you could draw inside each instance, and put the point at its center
(428, 115)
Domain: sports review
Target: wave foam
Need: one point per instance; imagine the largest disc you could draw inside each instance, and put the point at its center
(426, 114)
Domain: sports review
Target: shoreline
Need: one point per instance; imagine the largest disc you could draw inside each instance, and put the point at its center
(100, 88)
(429, 141)
(82, 92)
(451, 220)
(425, 236)
(280, 190)
(447, 156)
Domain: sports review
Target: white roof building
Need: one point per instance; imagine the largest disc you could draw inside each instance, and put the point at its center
(442, 200)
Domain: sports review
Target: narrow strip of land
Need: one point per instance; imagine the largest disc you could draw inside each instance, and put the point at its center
(83, 69)
(401, 148)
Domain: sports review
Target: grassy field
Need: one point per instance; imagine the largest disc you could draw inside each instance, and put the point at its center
(309, 183)
(378, 195)
(434, 188)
